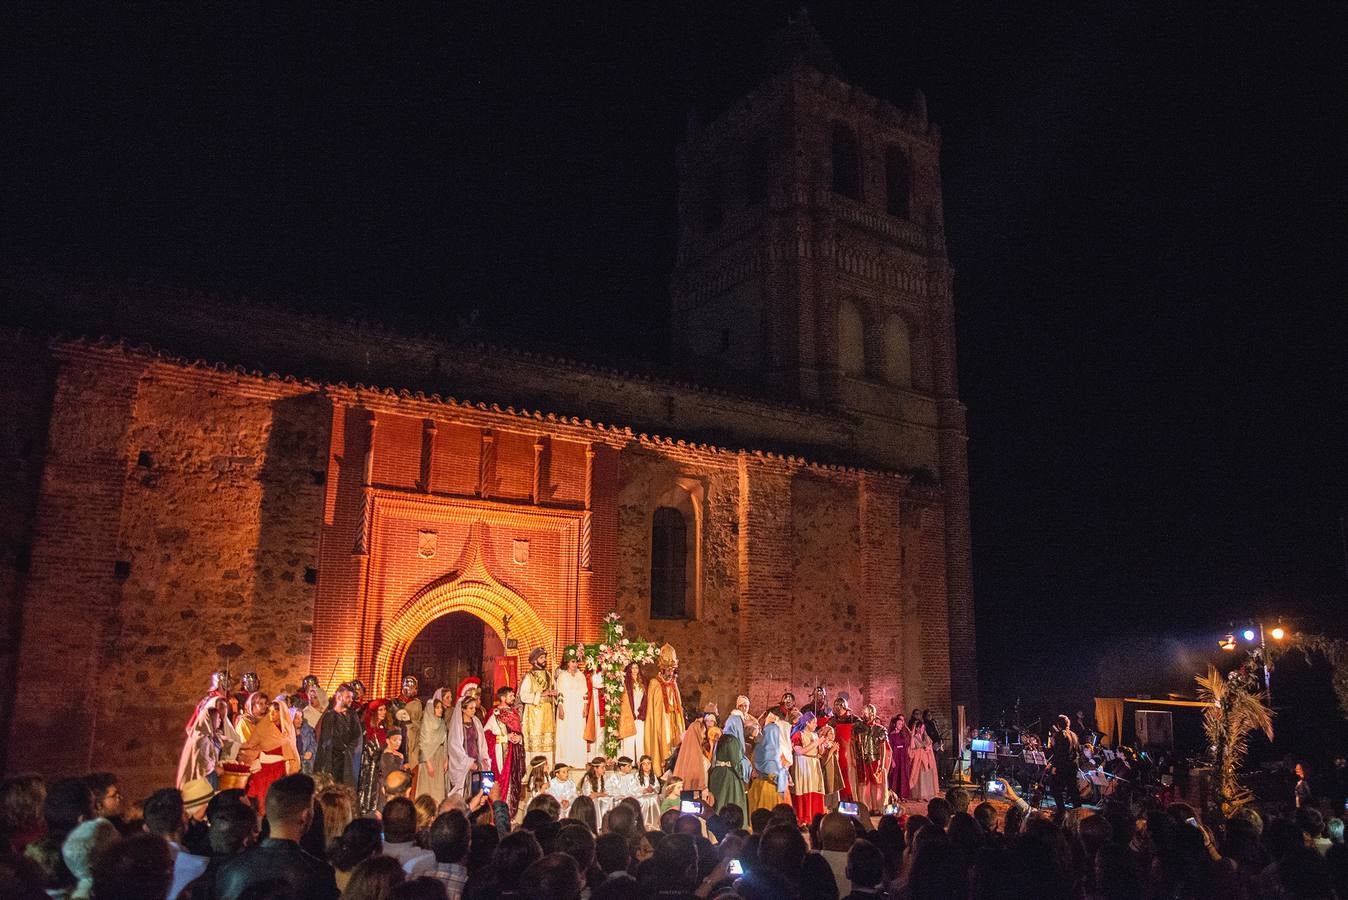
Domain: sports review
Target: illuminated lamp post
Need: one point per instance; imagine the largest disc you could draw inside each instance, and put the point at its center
(1257, 631)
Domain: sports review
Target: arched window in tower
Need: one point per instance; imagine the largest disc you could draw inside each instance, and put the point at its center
(756, 172)
(851, 338)
(669, 564)
(898, 183)
(898, 351)
(846, 162)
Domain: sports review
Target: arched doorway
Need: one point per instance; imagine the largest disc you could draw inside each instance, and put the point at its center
(450, 649)
(473, 593)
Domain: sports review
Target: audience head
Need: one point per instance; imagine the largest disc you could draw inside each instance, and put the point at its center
(583, 811)
(450, 838)
(290, 806)
(106, 793)
(21, 800)
(865, 865)
(959, 799)
(338, 811)
(577, 842)
(482, 843)
(361, 839)
(68, 803)
(621, 820)
(836, 832)
(758, 820)
(375, 879)
(548, 804)
(164, 814)
(234, 828)
(733, 815)
(612, 852)
(553, 877)
(516, 852)
(83, 846)
(985, 814)
(939, 811)
(419, 889)
(400, 820)
(138, 867)
(782, 849)
(675, 861)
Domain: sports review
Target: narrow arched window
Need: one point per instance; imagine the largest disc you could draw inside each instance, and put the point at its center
(898, 183)
(669, 562)
(898, 351)
(846, 162)
(851, 339)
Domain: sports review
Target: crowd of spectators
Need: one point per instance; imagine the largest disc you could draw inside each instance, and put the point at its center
(78, 838)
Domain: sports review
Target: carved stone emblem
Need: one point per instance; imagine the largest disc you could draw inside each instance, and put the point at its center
(426, 544)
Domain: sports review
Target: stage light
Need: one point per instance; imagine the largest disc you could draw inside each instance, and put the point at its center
(1248, 634)
(1228, 642)
(1278, 633)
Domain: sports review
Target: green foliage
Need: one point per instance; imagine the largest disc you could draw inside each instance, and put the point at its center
(1235, 710)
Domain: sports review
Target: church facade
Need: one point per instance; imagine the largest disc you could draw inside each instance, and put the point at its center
(197, 482)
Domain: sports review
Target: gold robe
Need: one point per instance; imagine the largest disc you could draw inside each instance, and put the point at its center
(540, 713)
(664, 719)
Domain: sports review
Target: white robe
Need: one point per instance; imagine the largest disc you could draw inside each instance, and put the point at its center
(633, 747)
(571, 688)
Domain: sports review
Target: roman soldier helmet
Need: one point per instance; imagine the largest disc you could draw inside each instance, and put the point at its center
(220, 680)
(469, 685)
(409, 684)
(309, 681)
(357, 687)
(250, 682)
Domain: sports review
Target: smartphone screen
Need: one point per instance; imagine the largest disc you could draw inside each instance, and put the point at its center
(994, 787)
(735, 868)
(848, 808)
(692, 807)
(488, 782)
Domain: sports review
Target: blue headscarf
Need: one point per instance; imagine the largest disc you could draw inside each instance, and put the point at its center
(805, 719)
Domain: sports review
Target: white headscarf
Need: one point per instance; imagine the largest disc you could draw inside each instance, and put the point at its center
(433, 730)
(460, 763)
(288, 732)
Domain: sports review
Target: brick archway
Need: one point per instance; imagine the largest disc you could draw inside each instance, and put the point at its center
(472, 591)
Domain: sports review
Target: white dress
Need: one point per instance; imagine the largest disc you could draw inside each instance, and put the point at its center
(596, 681)
(564, 790)
(571, 687)
(634, 746)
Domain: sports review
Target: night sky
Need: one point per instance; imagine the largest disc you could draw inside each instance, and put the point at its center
(1146, 207)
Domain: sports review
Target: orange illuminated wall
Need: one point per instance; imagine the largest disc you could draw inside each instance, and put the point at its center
(425, 516)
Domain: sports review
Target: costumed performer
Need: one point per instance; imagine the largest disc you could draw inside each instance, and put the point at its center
(828, 765)
(664, 710)
(371, 752)
(766, 790)
(572, 692)
(843, 722)
(744, 728)
(540, 707)
(692, 762)
(339, 733)
(923, 781)
(870, 751)
(899, 738)
(466, 744)
(729, 769)
(270, 751)
(407, 711)
(561, 786)
(434, 758)
(807, 777)
(505, 741)
(254, 711)
(632, 717)
(596, 712)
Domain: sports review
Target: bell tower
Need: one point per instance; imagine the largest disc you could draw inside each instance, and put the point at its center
(811, 253)
(812, 265)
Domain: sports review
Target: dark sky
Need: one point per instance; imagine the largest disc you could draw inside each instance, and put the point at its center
(1146, 207)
